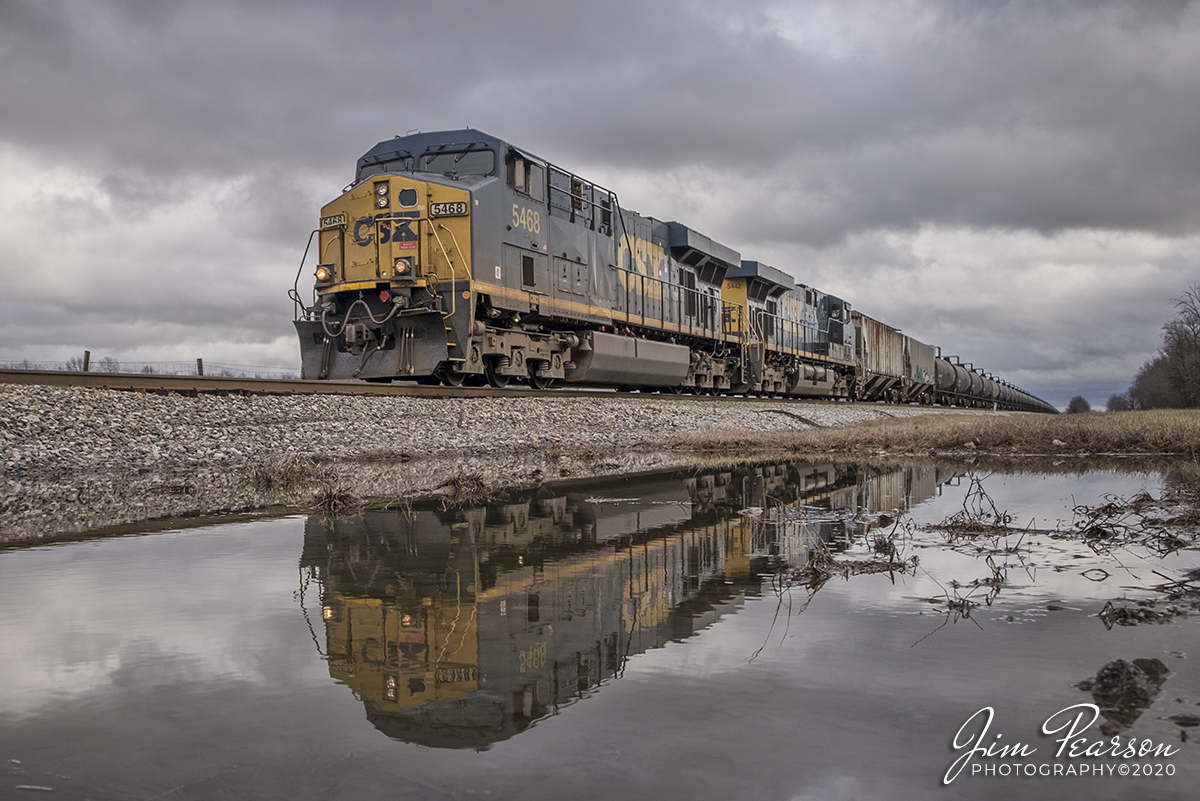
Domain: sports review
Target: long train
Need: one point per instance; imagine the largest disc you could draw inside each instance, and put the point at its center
(459, 628)
(458, 258)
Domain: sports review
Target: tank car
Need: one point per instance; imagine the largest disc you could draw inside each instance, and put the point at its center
(456, 257)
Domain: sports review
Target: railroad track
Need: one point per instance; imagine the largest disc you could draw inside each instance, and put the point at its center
(220, 385)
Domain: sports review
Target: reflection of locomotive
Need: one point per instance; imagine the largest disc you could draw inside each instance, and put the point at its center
(461, 628)
(457, 257)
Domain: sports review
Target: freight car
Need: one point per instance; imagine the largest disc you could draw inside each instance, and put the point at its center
(456, 257)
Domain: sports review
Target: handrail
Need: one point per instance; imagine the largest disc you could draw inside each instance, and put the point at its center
(394, 217)
(446, 253)
(581, 196)
(711, 317)
(782, 326)
(297, 304)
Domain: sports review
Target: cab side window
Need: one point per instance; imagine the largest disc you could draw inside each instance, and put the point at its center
(527, 177)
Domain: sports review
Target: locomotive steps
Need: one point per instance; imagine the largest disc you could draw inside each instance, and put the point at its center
(76, 459)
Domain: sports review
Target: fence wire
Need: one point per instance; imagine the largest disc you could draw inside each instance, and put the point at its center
(111, 365)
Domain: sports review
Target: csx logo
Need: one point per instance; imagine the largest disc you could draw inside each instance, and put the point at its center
(365, 227)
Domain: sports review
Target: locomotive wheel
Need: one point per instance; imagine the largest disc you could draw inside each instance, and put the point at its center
(676, 390)
(493, 378)
(536, 381)
(452, 378)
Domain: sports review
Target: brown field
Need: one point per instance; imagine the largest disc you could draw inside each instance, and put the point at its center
(1173, 432)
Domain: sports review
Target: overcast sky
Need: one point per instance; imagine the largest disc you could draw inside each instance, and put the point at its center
(1017, 182)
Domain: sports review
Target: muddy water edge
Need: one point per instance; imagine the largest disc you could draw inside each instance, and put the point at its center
(775, 629)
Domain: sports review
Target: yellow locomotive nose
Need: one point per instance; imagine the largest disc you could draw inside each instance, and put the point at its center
(395, 228)
(392, 284)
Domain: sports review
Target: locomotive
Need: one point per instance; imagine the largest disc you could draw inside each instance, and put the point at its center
(455, 257)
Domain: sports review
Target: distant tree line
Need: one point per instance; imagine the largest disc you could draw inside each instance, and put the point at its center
(1171, 380)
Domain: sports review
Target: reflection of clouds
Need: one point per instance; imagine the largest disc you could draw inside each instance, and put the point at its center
(76, 668)
(80, 618)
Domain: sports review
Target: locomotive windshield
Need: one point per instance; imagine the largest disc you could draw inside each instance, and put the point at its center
(463, 162)
(400, 164)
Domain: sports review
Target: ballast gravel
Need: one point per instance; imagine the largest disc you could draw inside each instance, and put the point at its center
(76, 459)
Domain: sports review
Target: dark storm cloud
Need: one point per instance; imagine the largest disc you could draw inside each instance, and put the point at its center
(225, 86)
(1017, 114)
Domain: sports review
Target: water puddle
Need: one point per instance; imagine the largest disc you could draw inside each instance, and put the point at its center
(767, 631)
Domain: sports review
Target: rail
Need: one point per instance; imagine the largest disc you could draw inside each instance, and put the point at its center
(193, 385)
(221, 385)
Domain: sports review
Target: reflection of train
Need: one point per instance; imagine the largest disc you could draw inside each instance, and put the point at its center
(461, 628)
(457, 257)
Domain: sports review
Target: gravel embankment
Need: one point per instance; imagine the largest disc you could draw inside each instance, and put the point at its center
(80, 459)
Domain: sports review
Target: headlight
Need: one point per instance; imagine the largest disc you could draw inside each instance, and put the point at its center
(381, 195)
(403, 266)
(323, 273)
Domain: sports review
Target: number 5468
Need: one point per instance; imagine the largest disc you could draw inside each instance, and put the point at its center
(528, 219)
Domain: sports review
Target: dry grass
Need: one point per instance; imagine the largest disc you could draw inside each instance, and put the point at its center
(288, 474)
(1163, 525)
(1175, 431)
(822, 565)
(335, 499)
(978, 516)
(466, 489)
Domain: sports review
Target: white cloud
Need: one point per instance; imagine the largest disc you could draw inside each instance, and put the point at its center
(148, 270)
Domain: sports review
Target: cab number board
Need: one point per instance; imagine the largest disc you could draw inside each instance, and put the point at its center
(456, 209)
(334, 221)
